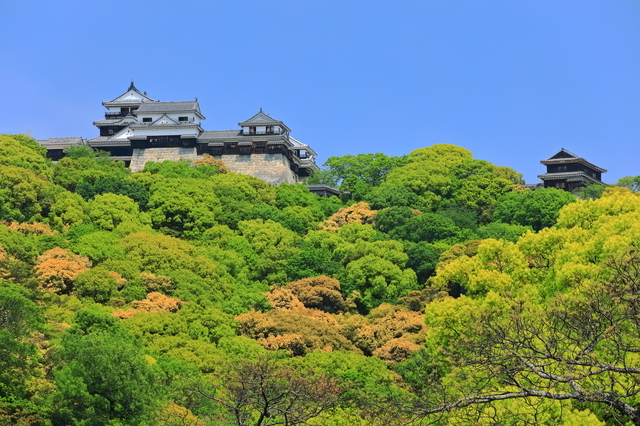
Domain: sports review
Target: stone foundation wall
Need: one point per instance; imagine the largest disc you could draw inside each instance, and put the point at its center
(141, 156)
(271, 168)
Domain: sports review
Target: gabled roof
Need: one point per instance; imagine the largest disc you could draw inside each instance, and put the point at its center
(262, 118)
(299, 145)
(164, 120)
(170, 107)
(132, 95)
(564, 156)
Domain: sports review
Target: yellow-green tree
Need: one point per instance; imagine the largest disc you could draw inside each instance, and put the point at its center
(551, 317)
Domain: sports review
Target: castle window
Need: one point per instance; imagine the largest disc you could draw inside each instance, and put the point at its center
(231, 148)
(146, 120)
(259, 147)
(183, 118)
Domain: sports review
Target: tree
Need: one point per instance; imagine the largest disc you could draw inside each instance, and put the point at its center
(208, 160)
(378, 280)
(24, 194)
(443, 174)
(504, 231)
(293, 328)
(538, 208)
(103, 376)
(594, 191)
(631, 182)
(423, 258)
(183, 207)
(362, 171)
(320, 292)
(355, 213)
(82, 163)
(97, 283)
(274, 246)
(19, 316)
(239, 196)
(110, 210)
(91, 186)
(267, 392)
(58, 268)
(180, 170)
(578, 346)
(553, 316)
(428, 227)
(24, 152)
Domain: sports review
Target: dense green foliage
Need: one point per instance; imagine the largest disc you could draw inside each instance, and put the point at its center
(437, 290)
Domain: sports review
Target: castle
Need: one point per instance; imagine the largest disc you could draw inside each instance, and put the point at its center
(137, 129)
(567, 171)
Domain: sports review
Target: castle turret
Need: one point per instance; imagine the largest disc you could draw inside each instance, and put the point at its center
(568, 171)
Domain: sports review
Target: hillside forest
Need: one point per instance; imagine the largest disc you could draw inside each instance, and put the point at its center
(437, 290)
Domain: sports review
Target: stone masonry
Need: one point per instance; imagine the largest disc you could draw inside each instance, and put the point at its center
(272, 168)
(141, 156)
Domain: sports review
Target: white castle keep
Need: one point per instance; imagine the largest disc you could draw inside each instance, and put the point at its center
(137, 129)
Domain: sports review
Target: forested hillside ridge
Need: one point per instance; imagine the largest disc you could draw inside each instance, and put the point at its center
(439, 290)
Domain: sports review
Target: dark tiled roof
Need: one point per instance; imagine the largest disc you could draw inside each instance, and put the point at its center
(569, 176)
(324, 190)
(564, 156)
(107, 121)
(220, 134)
(168, 106)
(73, 140)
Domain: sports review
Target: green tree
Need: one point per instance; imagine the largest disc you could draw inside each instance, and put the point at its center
(378, 280)
(24, 194)
(183, 207)
(82, 163)
(19, 316)
(240, 195)
(631, 182)
(97, 283)
(548, 321)
(391, 218)
(24, 152)
(274, 246)
(179, 169)
(444, 174)
(91, 186)
(502, 231)
(428, 227)
(103, 377)
(360, 173)
(110, 210)
(423, 258)
(538, 208)
(592, 192)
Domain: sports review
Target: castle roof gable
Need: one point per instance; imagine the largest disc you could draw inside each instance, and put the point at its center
(132, 95)
(263, 119)
(164, 120)
(563, 156)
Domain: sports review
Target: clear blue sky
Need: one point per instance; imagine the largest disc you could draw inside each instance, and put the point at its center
(511, 80)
